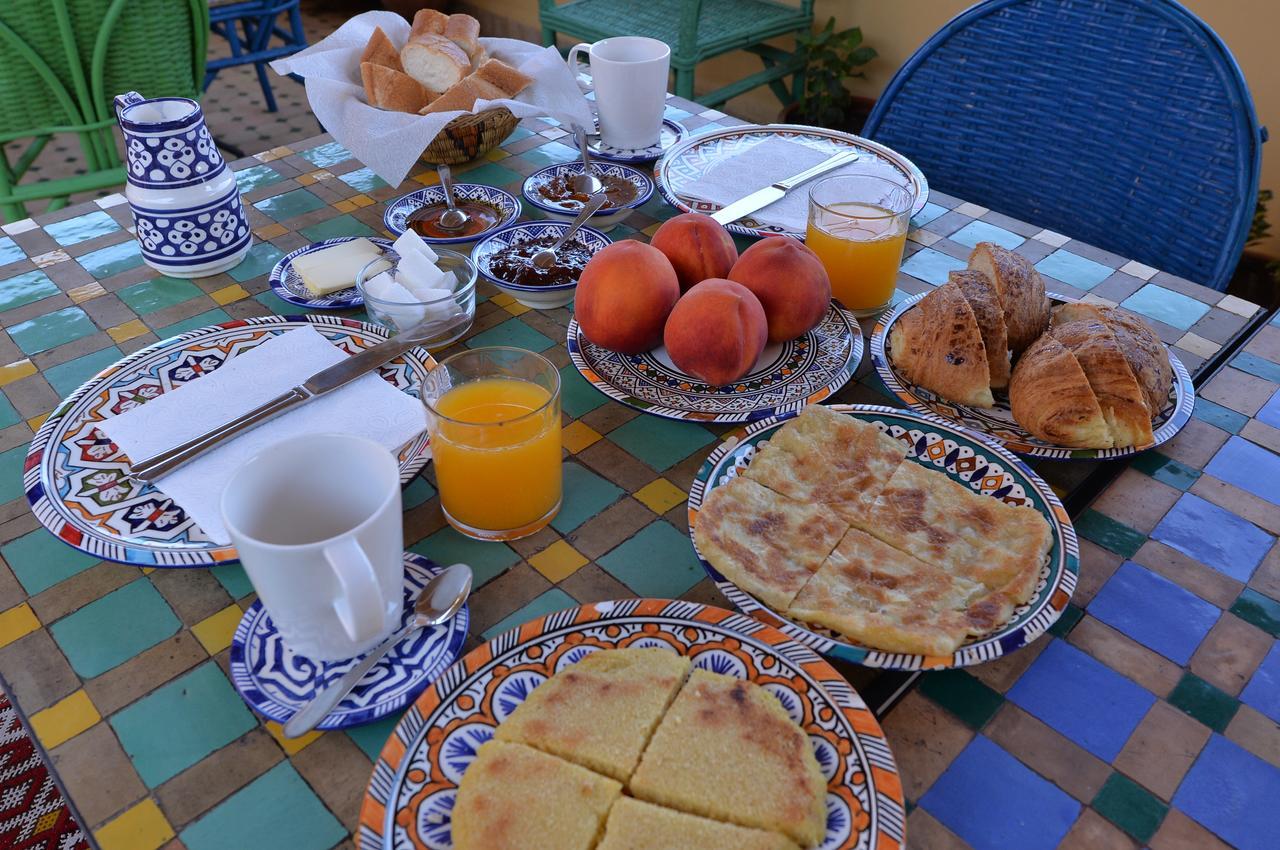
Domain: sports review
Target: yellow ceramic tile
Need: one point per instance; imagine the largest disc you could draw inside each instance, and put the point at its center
(502, 299)
(271, 231)
(146, 571)
(215, 631)
(65, 719)
(496, 154)
(43, 261)
(660, 495)
(83, 293)
(291, 746)
(16, 622)
(558, 561)
(227, 294)
(517, 309)
(363, 201)
(35, 422)
(428, 178)
(16, 371)
(652, 229)
(142, 827)
(128, 330)
(349, 205)
(576, 436)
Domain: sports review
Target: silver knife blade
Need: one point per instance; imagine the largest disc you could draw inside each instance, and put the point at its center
(763, 197)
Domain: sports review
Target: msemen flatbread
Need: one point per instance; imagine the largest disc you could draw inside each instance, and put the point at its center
(634, 825)
(600, 712)
(727, 750)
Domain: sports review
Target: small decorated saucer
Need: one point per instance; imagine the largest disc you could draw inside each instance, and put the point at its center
(489, 204)
(672, 132)
(276, 682)
(287, 283)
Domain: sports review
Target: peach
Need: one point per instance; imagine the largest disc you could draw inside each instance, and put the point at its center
(698, 247)
(716, 332)
(790, 282)
(624, 296)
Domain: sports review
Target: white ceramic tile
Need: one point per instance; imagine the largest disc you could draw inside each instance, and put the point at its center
(19, 226)
(1048, 237)
(1238, 306)
(924, 237)
(111, 201)
(972, 210)
(1198, 345)
(1138, 270)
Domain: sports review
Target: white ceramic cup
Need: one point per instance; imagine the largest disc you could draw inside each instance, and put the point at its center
(317, 524)
(630, 77)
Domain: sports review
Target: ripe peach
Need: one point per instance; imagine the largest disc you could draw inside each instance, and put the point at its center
(698, 247)
(624, 296)
(790, 282)
(716, 331)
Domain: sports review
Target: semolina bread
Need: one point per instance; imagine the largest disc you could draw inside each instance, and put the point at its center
(635, 825)
(938, 345)
(380, 51)
(434, 61)
(387, 88)
(1021, 290)
(1050, 396)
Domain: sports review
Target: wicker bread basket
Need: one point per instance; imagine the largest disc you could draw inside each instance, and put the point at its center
(469, 136)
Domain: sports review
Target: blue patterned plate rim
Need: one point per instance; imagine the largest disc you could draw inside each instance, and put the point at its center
(257, 675)
(282, 275)
(498, 239)
(1000, 426)
(672, 132)
(1057, 579)
(635, 176)
(506, 203)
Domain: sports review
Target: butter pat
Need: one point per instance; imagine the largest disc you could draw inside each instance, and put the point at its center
(334, 269)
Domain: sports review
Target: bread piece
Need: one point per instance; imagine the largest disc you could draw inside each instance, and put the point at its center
(984, 299)
(434, 61)
(502, 75)
(635, 825)
(380, 51)
(464, 95)
(727, 750)
(937, 345)
(464, 31)
(1147, 356)
(387, 88)
(428, 22)
(1105, 367)
(1026, 309)
(1052, 399)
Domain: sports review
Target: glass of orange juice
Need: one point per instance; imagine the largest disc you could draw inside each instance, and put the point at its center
(858, 227)
(494, 416)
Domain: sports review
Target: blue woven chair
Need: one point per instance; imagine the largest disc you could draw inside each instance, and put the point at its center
(250, 44)
(1123, 123)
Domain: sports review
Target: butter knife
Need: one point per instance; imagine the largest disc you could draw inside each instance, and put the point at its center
(325, 381)
(763, 197)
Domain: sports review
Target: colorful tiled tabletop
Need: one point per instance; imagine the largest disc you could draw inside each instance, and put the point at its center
(1148, 718)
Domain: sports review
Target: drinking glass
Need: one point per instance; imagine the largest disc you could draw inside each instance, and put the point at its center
(858, 227)
(494, 416)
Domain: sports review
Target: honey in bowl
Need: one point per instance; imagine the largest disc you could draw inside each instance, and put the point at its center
(481, 217)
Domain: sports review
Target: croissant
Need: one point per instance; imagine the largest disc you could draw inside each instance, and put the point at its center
(1052, 398)
(983, 298)
(1026, 309)
(938, 345)
(1124, 406)
(1141, 347)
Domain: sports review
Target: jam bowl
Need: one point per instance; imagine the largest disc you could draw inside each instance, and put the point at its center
(489, 207)
(550, 190)
(504, 258)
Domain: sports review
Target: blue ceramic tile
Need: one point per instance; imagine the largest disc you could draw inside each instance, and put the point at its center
(1154, 611)
(1219, 416)
(1248, 466)
(12, 462)
(40, 560)
(233, 579)
(585, 495)
(661, 443)
(1213, 536)
(1255, 365)
(1233, 793)
(1165, 305)
(1263, 690)
(995, 802)
(577, 396)
(66, 377)
(209, 317)
(25, 288)
(1270, 412)
(52, 330)
(326, 155)
(657, 562)
(1082, 698)
(9, 416)
(514, 333)
(931, 266)
(81, 227)
(980, 231)
(1074, 269)
(278, 809)
(554, 599)
(290, 204)
(372, 737)
(115, 628)
(261, 258)
(9, 251)
(112, 259)
(448, 546)
(927, 214)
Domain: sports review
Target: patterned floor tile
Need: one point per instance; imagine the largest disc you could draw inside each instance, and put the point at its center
(1213, 536)
(931, 266)
(40, 560)
(290, 204)
(25, 289)
(554, 599)
(1154, 611)
(980, 231)
(1248, 466)
(661, 443)
(114, 628)
(112, 260)
(1263, 690)
(656, 562)
(1165, 305)
(1080, 272)
(158, 293)
(82, 227)
(448, 546)
(52, 329)
(1130, 806)
(1232, 792)
(585, 495)
(255, 816)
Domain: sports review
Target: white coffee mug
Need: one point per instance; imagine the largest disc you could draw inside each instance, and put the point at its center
(318, 527)
(630, 77)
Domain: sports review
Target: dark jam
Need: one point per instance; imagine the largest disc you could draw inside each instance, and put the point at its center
(481, 218)
(559, 191)
(514, 263)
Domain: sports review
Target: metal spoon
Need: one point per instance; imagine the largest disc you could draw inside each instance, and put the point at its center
(587, 183)
(437, 602)
(546, 257)
(453, 218)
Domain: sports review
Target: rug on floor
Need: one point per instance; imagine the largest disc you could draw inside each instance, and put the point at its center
(33, 814)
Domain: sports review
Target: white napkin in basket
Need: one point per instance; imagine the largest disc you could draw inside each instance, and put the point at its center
(367, 407)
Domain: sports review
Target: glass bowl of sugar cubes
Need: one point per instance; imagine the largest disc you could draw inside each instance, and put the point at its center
(414, 287)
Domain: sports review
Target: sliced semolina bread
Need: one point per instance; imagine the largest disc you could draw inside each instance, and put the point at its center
(635, 825)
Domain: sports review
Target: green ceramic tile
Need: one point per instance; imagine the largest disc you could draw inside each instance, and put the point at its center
(114, 628)
(279, 306)
(25, 288)
(158, 293)
(577, 396)
(1064, 624)
(492, 174)
(661, 443)
(514, 333)
(112, 259)
(962, 695)
(371, 737)
(343, 225)
(1166, 470)
(658, 561)
(1130, 806)
(8, 416)
(585, 495)
(1259, 609)
(554, 599)
(290, 204)
(518, 134)
(81, 227)
(261, 258)
(675, 114)
(325, 155)
(363, 180)
(255, 177)
(447, 546)
(52, 329)
(1108, 533)
(528, 212)
(417, 493)
(11, 463)
(278, 809)
(552, 153)
(40, 560)
(1165, 305)
(10, 252)
(233, 579)
(1206, 703)
(67, 377)
(210, 317)
(181, 722)
(1219, 416)
(1255, 365)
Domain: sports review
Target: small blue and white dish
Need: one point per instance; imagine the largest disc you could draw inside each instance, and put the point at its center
(287, 283)
(499, 208)
(671, 132)
(538, 297)
(275, 681)
(606, 218)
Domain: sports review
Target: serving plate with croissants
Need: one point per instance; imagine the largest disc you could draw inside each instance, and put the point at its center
(1046, 376)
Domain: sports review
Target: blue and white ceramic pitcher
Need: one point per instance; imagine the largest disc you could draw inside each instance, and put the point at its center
(186, 205)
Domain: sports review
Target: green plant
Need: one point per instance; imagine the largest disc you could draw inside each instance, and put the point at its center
(1260, 228)
(830, 58)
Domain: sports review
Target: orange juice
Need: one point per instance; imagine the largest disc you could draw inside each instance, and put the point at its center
(861, 252)
(497, 456)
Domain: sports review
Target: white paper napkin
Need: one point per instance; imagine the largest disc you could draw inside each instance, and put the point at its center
(390, 142)
(367, 407)
(769, 161)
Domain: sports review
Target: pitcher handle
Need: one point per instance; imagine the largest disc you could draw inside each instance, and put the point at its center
(124, 101)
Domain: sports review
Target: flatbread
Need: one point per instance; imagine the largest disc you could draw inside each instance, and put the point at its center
(635, 825)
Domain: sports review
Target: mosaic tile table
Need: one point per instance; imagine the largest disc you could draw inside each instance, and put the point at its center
(1148, 718)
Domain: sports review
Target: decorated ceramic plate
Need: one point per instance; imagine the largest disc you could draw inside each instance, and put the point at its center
(78, 481)
(688, 160)
(998, 423)
(672, 132)
(970, 460)
(277, 682)
(785, 378)
(505, 207)
(415, 780)
(287, 283)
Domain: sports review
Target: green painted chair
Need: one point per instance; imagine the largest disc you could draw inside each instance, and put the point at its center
(696, 30)
(62, 61)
